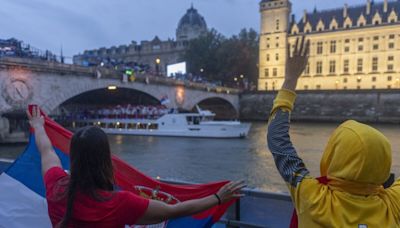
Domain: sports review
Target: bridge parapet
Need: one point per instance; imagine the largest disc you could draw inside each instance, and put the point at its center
(104, 73)
(49, 84)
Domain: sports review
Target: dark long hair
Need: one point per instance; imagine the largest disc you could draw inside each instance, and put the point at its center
(91, 167)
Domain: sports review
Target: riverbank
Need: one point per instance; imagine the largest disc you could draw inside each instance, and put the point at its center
(372, 106)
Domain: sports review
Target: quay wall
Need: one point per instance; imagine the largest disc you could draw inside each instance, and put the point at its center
(377, 106)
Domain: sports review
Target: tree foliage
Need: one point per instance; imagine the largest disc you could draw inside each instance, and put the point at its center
(223, 59)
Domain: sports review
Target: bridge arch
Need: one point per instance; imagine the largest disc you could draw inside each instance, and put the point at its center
(66, 93)
(223, 108)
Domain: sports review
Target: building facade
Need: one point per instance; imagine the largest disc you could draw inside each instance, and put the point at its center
(155, 55)
(354, 47)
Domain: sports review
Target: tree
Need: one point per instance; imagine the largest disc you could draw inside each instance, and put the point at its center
(201, 54)
(224, 59)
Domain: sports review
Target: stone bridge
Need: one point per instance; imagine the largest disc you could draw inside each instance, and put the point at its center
(25, 81)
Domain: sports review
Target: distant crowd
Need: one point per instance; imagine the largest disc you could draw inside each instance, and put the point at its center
(119, 112)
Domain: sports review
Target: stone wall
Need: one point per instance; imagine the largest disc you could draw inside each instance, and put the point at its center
(381, 106)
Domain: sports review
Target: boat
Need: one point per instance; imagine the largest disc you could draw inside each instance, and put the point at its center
(199, 125)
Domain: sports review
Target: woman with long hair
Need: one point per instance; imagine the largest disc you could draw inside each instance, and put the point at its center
(86, 197)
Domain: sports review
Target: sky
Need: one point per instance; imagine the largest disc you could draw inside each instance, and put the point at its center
(78, 25)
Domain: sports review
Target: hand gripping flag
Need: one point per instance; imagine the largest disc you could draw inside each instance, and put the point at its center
(22, 192)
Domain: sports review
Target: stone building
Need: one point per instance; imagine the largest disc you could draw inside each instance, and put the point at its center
(156, 54)
(354, 47)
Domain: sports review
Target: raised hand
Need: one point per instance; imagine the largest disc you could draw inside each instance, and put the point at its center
(296, 63)
(230, 191)
(36, 120)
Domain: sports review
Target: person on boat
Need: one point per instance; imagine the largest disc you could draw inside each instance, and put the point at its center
(86, 197)
(354, 165)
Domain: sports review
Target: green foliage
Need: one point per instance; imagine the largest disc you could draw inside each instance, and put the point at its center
(224, 59)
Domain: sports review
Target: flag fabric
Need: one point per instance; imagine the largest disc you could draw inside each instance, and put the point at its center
(164, 100)
(22, 191)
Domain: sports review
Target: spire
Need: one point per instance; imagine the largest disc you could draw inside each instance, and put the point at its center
(191, 6)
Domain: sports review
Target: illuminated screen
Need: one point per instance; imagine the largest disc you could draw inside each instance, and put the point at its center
(179, 68)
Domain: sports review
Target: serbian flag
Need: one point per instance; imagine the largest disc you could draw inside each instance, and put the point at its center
(22, 191)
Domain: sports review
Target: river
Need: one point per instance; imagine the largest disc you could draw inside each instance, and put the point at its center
(205, 160)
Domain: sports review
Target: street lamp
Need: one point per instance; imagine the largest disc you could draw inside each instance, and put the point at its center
(201, 70)
(158, 61)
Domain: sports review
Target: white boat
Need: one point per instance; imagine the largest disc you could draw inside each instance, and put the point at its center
(199, 124)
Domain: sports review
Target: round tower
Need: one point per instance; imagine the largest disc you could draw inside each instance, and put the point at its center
(273, 40)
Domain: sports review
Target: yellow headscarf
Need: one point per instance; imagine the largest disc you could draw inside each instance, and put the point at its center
(357, 160)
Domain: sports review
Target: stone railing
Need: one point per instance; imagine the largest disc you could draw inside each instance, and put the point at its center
(101, 72)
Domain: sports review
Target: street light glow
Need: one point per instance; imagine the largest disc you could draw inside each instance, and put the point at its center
(158, 60)
(112, 87)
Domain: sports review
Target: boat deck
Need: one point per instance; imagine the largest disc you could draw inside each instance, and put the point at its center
(256, 209)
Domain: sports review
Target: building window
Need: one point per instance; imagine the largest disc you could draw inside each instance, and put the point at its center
(306, 87)
(376, 37)
(274, 72)
(277, 24)
(276, 56)
(358, 87)
(346, 66)
(307, 70)
(266, 72)
(319, 47)
(391, 36)
(374, 64)
(360, 47)
(347, 41)
(375, 46)
(332, 67)
(277, 45)
(373, 87)
(319, 67)
(318, 86)
(390, 67)
(346, 49)
(389, 86)
(333, 46)
(391, 45)
(266, 86)
(344, 80)
(389, 78)
(268, 46)
(267, 57)
(390, 58)
(359, 79)
(359, 65)
(374, 79)
(360, 39)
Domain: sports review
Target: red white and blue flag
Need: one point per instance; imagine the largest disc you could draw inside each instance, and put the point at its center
(165, 100)
(22, 191)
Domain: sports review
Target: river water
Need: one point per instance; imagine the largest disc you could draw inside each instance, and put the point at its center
(205, 160)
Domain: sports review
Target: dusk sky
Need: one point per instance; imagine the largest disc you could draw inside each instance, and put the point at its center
(77, 25)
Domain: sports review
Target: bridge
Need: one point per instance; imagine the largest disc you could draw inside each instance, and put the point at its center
(51, 84)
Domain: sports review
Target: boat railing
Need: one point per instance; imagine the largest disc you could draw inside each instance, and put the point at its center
(256, 209)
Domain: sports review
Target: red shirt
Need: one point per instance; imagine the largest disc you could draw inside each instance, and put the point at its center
(119, 209)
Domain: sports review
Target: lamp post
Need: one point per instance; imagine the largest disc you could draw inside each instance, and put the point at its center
(158, 61)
